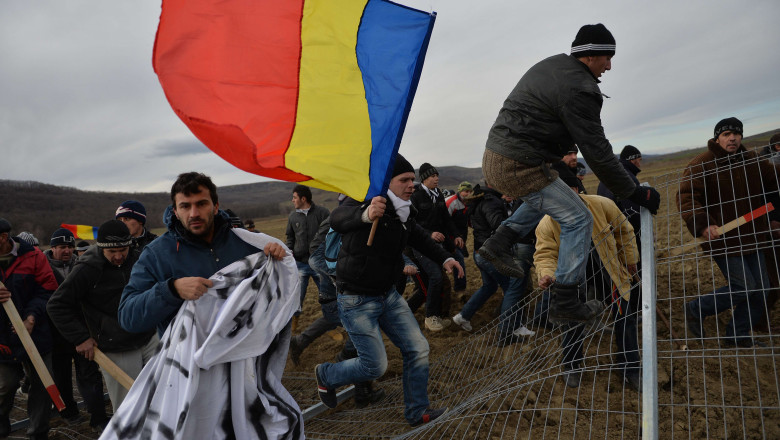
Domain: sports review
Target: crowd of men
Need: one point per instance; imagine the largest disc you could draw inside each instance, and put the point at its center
(119, 295)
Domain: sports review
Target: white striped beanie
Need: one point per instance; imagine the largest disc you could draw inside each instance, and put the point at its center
(593, 40)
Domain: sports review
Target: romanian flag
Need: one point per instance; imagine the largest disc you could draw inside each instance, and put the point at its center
(309, 91)
(82, 232)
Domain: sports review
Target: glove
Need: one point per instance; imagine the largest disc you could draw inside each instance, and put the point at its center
(647, 197)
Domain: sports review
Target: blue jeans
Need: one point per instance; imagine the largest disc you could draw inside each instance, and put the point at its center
(435, 293)
(326, 286)
(514, 290)
(304, 272)
(565, 207)
(364, 316)
(748, 283)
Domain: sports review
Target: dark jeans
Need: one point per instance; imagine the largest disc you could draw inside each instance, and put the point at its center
(460, 283)
(745, 292)
(38, 400)
(434, 291)
(88, 380)
(329, 321)
(625, 322)
(514, 291)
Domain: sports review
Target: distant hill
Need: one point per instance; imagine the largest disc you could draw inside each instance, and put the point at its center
(40, 208)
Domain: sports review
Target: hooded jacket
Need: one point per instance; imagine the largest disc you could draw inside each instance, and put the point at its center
(31, 282)
(86, 303)
(718, 187)
(373, 270)
(612, 235)
(556, 104)
(149, 299)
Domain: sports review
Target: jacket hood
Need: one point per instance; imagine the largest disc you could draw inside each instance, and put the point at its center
(24, 247)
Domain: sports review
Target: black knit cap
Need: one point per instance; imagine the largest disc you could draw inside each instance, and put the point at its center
(775, 139)
(82, 246)
(728, 124)
(401, 166)
(593, 40)
(113, 234)
(5, 225)
(630, 152)
(62, 236)
(427, 170)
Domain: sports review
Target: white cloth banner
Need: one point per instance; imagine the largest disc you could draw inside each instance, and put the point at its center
(218, 373)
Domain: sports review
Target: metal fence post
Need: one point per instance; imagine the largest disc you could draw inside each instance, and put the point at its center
(649, 338)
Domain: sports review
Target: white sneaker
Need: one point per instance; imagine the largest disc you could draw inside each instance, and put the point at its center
(465, 324)
(523, 331)
(436, 324)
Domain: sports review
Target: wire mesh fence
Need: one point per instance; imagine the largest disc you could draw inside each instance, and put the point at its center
(721, 382)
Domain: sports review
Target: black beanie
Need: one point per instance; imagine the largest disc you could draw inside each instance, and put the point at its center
(131, 209)
(113, 234)
(593, 40)
(5, 225)
(728, 124)
(427, 170)
(62, 236)
(401, 166)
(630, 152)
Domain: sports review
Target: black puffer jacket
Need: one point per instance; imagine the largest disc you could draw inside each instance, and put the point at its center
(372, 270)
(487, 213)
(557, 103)
(433, 216)
(86, 303)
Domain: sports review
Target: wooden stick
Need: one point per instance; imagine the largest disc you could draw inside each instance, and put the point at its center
(749, 217)
(32, 352)
(373, 232)
(113, 369)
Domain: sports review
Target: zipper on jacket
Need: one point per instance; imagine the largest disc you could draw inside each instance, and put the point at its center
(214, 254)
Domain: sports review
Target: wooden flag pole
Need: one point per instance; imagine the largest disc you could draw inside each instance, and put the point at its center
(32, 352)
(373, 232)
(113, 369)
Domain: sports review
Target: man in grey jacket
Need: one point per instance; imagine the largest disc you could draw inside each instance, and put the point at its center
(302, 226)
(555, 105)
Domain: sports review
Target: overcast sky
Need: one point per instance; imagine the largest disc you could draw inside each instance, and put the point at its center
(80, 105)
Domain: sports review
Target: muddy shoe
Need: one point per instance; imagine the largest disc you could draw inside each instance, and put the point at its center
(436, 324)
(573, 378)
(327, 395)
(565, 305)
(428, 416)
(498, 250)
(365, 394)
(296, 349)
(462, 322)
